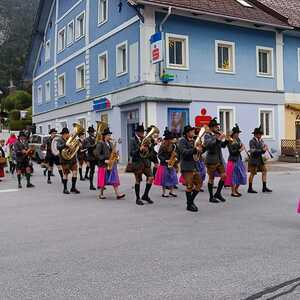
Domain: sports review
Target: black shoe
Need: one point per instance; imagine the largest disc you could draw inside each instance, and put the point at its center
(19, 185)
(66, 192)
(82, 179)
(266, 190)
(86, 177)
(252, 191)
(49, 181)
(235, 195)
(92, 188)
(74, 191)
(175, 187)
(147, 199)
(173, 195)
(214, 200)
(220, 197)
(192, 208)
(139, 202)
(121, 196)
(239, 194)
(29, 185)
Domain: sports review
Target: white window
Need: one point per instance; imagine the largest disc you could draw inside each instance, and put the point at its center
(40, 94)
(70, 33)
(41, 129)
(47, 51)
(61, 40)
(264, 57)
(226, 118)
(47, 91)
(82, 122)
(80, 26)
(225, 57)
(103, 66)
(63, 124)
(80, 77)
(102, 11)
(122, 58)
(266, 122)
(177, 48)
(61, 85)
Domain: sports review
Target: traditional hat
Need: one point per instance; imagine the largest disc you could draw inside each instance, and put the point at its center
(91, 129)
(187, 128)
(213, 123)
(258, 130)
(140, 128)
(65, 130)
(106, 131)
(52, 130)
(168, 135)
(235, 129)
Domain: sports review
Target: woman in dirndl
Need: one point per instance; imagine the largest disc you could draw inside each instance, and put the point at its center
(105, 176)
(2, 159)
(166, 176)
(236, 174)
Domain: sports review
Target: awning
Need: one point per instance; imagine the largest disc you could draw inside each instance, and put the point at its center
(293, 106)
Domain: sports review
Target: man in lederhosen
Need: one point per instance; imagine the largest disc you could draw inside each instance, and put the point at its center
(189, 166)
(81, 156)
(68, 166)
(89, 144)
(22, 151)
(153, 155)
(256, 161)
(141, 164)
(214, 141)
(52, 159)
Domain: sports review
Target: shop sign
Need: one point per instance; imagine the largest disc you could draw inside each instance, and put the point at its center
(101, 104)
(156, 47)
(203, 119)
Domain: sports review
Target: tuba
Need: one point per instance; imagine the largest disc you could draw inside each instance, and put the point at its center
(101, 126)
(153, 133)
(199, 142)
(114, 156)
(54, 149)
(72, 143)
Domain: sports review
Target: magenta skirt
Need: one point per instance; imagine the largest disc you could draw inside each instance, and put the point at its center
(165, 176)
(2, 173)
(236, 173)
(106, 177)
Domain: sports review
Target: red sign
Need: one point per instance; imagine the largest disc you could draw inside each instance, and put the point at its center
(155, 54)
(203, 119)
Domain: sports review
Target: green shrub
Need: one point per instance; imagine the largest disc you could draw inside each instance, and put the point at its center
(14, 115)
(18, 124)
(20, 100)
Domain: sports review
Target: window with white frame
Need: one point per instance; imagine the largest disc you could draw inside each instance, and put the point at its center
(61, 45)
(61, 85)
(63, 124)
(40, 94)
(102, 11)
(47, 91)
(41, 129)
(226, 118)
(82, 122)
(225, 57)
(122, 58)
(103, 67)
(80, 26)
(177, 51)
(70, 33)
(266, 122)
(47, 51)
(264, 61)
(80, 77)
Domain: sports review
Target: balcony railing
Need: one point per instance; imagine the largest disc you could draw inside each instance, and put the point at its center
(290, 147)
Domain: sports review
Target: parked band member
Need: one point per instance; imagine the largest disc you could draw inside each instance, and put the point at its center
(214, 141)
(22, 153)
(189, 166)
(52, 159)
(2, 159)
(166, 176)
(68, 166)
(256, 161)
(236, 174)
(141, 164)
(107, 176)
(81, 156)
(90, 145)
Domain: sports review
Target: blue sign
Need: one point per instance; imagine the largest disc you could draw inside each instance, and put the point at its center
(156, 47)
(101, 104)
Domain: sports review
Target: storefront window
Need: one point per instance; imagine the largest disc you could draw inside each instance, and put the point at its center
(177, 119)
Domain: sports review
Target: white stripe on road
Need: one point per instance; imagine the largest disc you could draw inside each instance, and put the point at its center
(9, 191)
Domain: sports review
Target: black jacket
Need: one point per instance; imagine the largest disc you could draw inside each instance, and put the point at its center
(103, 151)
(89, 144)
(234, 150)
(187, 150)
(213, 148)
(165, 153)
(256, 152)
(137, 160)
(18, 148)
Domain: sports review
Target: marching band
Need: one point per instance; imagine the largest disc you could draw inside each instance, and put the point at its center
(197, 153)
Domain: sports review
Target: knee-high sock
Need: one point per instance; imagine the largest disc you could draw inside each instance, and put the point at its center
(87, 171)
(137, 190)
(28, 178)
(74, 179)
(220, 186)
(91, 178)
(49, 174)
(211, 190)
(61, 174)
(147, 189)
(80, 172)
(19, 178)
(65, 183)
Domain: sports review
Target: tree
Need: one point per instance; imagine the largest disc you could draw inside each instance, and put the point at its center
(19, 100)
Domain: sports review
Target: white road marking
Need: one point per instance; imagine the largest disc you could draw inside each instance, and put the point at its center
(9, 191)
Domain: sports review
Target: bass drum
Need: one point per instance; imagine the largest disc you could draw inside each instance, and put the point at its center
(54, 149)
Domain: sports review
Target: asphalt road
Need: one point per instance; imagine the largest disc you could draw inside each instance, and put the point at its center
(77, 247)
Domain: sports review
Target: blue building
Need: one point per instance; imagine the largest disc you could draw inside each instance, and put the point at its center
(160, 62)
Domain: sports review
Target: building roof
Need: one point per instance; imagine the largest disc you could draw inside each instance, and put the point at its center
(288, 8)
(227, 8)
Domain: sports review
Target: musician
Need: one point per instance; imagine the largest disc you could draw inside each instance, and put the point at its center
(235, 172)
(81, 156)
(90, 146)
(189, 166)
(214, 141)
(68, 166)
(256, 161)
(152, 150)
(166, 176)
(3, 159)
(141, 164)
(52, 159)
(22, 153)
(106, 177)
